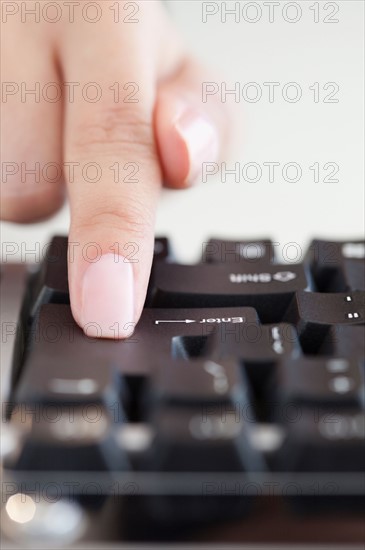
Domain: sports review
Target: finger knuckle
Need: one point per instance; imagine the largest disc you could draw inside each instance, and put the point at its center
(113, 130)
(133, 218)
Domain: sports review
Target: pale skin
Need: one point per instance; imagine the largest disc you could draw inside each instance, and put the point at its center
(167, 133)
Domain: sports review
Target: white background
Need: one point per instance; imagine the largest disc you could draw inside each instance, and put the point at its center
(304, 132)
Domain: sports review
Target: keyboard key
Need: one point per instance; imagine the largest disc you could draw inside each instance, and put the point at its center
(314, 313)
(243, 252)
(218, 285)
(193, 444)
(330, 309)
(169, 322)
(78, 437)
(255, 343)
(337, 266)
(345, 341)
(201, 439)
(63, 380)
(320, 381)
(324, 440)
(198, 382)
(160, 333)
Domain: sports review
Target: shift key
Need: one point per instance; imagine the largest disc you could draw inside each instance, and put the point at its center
(215, 285)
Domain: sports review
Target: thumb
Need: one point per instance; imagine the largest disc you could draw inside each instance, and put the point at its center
(189, 130)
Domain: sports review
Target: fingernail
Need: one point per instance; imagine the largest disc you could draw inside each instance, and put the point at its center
(108, 298)
(201, 139)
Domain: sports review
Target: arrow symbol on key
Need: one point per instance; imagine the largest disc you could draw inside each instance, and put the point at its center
(175, 321)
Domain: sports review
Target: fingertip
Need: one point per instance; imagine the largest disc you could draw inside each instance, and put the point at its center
(106, 308)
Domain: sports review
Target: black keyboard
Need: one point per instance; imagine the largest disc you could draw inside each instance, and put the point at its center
(234, 415)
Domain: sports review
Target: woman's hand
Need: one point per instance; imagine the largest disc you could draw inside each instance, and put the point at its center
(117, 109)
